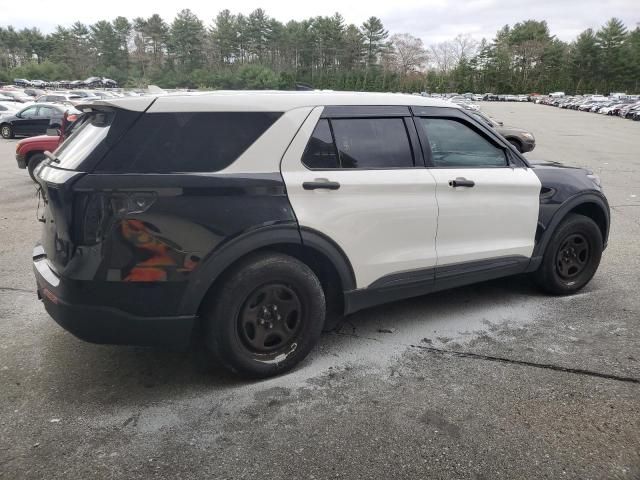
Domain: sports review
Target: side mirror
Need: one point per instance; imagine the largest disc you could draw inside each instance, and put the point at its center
(53, 132)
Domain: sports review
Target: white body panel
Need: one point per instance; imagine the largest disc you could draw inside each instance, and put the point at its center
(384, 220)
(495, 218)
(264, 155)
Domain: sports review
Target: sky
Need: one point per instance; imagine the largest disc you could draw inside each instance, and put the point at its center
(433, 21)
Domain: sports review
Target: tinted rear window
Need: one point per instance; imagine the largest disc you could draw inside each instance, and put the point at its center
(321, 150)
(372, 143)
(186, 142)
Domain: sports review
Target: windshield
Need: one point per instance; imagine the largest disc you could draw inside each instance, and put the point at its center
(86, 136)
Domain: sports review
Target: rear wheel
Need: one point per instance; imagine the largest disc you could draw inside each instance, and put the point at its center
(6, 131)
(34, 160)
(572, 256)
(266, 316)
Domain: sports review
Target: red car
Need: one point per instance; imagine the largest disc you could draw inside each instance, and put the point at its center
(30, 151)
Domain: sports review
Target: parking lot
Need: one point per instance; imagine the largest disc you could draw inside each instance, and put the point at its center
(491, 381)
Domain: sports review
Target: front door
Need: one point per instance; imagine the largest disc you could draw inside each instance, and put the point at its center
(24, 125)
(488, 202)
(356, 175)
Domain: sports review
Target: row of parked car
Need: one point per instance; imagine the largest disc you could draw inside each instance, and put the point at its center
(91, 82)
(478, 97)
(621, 106)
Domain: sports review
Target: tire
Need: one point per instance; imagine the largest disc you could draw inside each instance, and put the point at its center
(266, 315)
(516, 144)
(6, 131)
(572, 256)
(34, 161)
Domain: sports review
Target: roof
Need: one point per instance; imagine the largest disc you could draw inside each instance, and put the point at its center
(267, 101)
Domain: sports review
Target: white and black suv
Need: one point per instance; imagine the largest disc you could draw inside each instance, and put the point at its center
(247, 218)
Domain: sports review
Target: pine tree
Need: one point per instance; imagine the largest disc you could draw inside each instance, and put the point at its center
(374, 35)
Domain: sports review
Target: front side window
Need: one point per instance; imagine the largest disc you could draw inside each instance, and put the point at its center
(29, 112)
(454, 144)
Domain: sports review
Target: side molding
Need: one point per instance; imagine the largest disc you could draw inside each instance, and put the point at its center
(323, 244)
(415, 283)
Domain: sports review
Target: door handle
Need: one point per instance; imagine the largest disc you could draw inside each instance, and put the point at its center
(461, 182)
(321, 183)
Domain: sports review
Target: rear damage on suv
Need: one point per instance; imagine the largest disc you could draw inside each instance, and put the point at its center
(122, 235)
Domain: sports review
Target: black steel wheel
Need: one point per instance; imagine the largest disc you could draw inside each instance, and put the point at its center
(265, 315)
(270, 318)
(572, 256)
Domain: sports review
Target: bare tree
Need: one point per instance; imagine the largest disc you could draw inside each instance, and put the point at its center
(443, 56)
(464, 46)
(407, 53)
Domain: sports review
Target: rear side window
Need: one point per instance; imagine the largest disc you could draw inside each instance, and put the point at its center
(454, 144)
(186, 142)
(47, 112)
(321, 151)
(372, 143)
(362, 143)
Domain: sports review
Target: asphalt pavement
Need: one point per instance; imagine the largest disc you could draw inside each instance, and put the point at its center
(490, 381)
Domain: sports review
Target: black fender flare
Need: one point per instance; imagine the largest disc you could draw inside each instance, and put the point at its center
(563, 210)
(243, 244)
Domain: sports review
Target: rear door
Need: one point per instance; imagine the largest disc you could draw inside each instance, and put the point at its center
(488, 199)
(46, 116)
(357, 176)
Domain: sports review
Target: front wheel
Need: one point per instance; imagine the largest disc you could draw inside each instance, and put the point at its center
(265, 316)
(572, 256)
(6, 131)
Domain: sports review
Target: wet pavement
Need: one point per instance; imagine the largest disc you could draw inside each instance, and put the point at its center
(489, 381)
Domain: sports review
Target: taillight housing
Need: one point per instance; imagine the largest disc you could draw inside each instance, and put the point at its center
(96, 213)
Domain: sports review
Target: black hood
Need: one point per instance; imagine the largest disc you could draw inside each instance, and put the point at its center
(551, 164)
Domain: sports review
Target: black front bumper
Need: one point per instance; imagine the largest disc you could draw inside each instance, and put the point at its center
(102, 324)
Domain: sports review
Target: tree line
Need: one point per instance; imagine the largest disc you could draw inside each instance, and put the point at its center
(257, 51)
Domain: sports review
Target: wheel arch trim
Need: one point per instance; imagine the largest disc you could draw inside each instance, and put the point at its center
(250, 241)
(563, 210)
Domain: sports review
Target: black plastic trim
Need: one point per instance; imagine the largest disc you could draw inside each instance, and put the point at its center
(405, 278)
(421, 282)
(114, 327)
(551, 217)
(231, 251)
(323, 244)
(354, 111)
